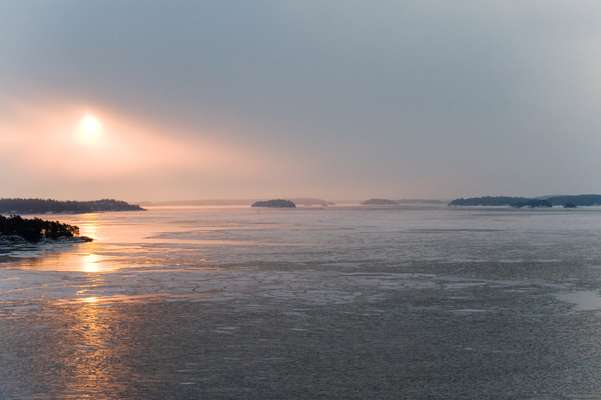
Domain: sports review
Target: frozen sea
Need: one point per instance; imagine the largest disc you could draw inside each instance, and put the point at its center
(337, 303)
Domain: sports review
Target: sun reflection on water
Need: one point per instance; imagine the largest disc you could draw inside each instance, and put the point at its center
(90, 263)
(93, 343)
(89, 226)
(90, 300)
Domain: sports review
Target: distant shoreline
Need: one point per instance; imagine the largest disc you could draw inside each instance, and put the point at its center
(566, 201)
(50, 206)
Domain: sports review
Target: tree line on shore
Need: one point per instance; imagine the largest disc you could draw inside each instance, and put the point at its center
(568, 201)
(35, 229)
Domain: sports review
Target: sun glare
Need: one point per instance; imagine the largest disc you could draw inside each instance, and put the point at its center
(90, 263)
(90, 128)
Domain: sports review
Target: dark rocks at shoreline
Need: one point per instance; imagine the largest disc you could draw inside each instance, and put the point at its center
(7, 240)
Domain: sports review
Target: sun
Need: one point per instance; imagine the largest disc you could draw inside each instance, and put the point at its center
(89, 129)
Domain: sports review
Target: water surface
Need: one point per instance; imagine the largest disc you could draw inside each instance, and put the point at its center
(344, 302)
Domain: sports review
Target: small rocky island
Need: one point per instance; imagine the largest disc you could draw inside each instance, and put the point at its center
(15, 229)
(276, 203)
(379, 202)
(44, 206)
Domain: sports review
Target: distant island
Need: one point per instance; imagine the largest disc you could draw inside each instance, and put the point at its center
(379, 202)
(276, 203)
(44, 206)
(566, 201)
(301, 201)
(489, 201)
(15, 228)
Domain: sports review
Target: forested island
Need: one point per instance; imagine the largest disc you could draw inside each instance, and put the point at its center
(15, 228)
(44, 206)
(490, 201)
(276, 203)
(533, 203)
(567, 201)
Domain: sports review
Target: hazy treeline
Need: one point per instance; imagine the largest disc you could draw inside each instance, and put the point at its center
(580, 200)
(488, 201)
(42, 206)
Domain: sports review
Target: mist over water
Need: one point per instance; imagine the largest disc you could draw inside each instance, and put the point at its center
(340, 302)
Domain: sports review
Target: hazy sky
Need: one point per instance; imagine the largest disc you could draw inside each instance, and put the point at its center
(334, 99)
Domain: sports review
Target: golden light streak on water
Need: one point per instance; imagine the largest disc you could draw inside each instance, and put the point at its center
(91, 263)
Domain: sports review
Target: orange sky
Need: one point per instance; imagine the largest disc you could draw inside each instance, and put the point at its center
(46, 143)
